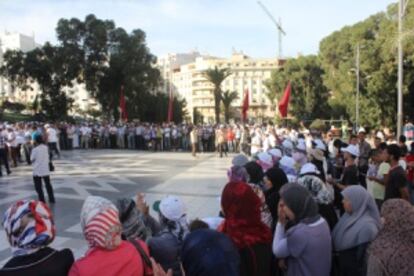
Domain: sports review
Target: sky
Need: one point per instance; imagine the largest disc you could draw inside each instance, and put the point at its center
(214, 27)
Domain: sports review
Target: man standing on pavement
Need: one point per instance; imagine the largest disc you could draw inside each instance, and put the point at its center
(12, 144)
(3, 152)
(193, 140)
(52, 140)
(364, 152)
(85, 133)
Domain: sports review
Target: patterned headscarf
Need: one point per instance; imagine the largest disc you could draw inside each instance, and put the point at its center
(243, 224)
(100, 223)
(393, 248)
(133, 225)
(29, 226)
(322, 193)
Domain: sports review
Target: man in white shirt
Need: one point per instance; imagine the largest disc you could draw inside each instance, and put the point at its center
(167, 138)
(41, 170)
(85, 135)
(52, 140)
(12, 144)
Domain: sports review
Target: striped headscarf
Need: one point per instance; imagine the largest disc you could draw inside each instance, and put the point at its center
(29, 226)
(100, 223)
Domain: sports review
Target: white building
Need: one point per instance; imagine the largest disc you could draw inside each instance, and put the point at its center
(247, 74)
(24, 43)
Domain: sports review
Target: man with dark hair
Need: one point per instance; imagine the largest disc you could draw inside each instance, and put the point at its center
(401, 143)
(396, 182)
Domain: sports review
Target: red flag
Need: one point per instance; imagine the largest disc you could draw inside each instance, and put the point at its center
(284, 102)
(245, 106)
(170, 107)
(122, 105)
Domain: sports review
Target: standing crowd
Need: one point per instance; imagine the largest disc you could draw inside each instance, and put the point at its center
(297, 202)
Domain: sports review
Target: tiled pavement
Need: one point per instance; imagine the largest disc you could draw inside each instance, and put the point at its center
(114, 174)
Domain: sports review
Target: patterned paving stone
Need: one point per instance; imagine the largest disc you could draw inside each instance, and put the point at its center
(114, 174)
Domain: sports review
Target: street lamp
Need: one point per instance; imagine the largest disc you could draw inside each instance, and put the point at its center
(402, 6)
(356, 70)
(357, 73)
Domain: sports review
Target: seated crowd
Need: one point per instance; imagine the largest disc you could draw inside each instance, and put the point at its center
(282, 213)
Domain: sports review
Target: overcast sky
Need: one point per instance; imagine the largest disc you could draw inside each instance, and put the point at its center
(210, 26)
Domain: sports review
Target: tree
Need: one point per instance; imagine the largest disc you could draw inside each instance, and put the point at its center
(377, 37)
(94, 52)
(216, 77)
(309, 96)
(228, 98)
(52, 68)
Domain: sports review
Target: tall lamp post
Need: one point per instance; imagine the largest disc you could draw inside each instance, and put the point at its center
(357, 88)
(402, 5)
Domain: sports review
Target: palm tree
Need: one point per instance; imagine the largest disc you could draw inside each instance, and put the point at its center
(216, 77)
(228, 97)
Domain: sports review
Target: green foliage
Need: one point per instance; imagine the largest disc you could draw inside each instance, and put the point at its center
(309, 95)
(13, 107)
(159, 108)
(318, 125)
(325, 86)
(94, 52)
(377, 37)
(228, 97)
(216, 77)
(52, 68)
(113, 58)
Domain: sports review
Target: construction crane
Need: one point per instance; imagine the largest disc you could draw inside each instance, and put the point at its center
(277, 24)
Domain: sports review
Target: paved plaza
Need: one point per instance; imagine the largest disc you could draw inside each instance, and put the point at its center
(114, 174)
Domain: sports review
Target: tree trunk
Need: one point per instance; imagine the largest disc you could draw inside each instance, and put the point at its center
(226, 114)
(217, 105)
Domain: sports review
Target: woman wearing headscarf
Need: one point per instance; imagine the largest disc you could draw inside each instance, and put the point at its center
(322, 193)
(207, 252)
(357, 227)
(136, 221)
(165, 247)
(392, 251)
(30, 228)
(108, 255)
(274, 179)
(300, 232)
(255, 180)
(242, 223)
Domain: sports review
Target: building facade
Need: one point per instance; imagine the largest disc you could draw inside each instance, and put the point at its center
(248, 75)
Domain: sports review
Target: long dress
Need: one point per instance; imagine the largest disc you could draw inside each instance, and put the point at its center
(75, 141)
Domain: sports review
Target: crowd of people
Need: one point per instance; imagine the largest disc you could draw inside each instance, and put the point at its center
(296, 202)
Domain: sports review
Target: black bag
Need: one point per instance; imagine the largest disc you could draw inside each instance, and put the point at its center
(51, 167)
